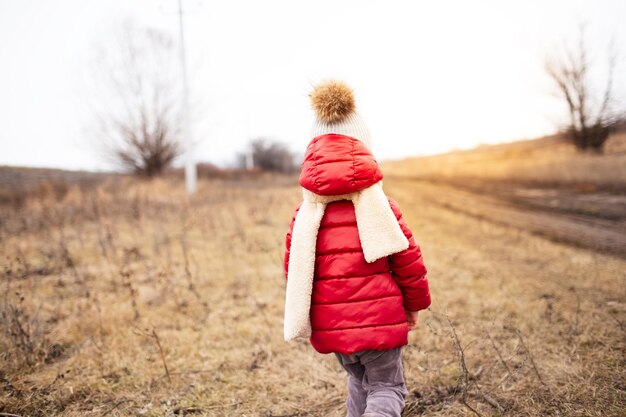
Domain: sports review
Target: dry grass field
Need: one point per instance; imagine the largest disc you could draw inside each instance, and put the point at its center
(131, 299)
(550, 161)
(543, 186)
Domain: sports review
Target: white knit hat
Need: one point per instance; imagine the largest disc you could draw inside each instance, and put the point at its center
(333, 103)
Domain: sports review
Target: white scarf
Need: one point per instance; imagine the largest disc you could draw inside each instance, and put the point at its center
(379, 233)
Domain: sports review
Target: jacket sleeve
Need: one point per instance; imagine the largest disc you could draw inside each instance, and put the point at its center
(288, 241)
(408, 269)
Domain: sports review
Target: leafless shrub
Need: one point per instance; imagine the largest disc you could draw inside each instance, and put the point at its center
(24, 338)
(208, 170)
(267, 156)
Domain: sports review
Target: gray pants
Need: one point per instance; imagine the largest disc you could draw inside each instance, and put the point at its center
(375, 383)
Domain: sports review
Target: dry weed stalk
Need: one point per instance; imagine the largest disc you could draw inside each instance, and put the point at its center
(464, 383)
(69, 262)
(161, 353)
(464, 389)
(530, 356)
(126, 275)
(506, 366)
(153, 335)
(188, 276)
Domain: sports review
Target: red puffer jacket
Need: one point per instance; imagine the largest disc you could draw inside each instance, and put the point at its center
(356, 305)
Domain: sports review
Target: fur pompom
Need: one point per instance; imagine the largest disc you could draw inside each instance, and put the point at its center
(332, 101)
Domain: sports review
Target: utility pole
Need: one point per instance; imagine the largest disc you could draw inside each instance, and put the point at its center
(190, 165)
(250, 159)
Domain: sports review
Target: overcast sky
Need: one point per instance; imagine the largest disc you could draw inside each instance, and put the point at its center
(429, 76)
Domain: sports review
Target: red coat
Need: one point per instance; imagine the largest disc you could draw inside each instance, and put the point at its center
(356, 305)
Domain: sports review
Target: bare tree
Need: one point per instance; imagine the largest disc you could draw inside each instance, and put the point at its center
(139, 116)
(268, 156)
(592, 115)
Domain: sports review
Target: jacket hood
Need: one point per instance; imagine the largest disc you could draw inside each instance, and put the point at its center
(337, 164)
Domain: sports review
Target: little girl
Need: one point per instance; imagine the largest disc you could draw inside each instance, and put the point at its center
(355, 276)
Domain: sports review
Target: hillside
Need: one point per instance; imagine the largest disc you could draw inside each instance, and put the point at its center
(549, 161)
(20, 183)
(28, 177)
(543, 186)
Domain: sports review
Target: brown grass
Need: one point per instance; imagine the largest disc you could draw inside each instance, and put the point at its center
(550, 161)
(136, 300)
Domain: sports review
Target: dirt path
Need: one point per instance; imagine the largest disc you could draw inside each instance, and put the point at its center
(589, 220)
